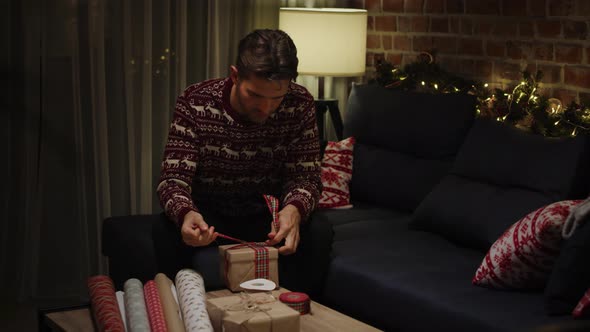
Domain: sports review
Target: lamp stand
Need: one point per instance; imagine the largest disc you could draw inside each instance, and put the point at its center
(330, 105)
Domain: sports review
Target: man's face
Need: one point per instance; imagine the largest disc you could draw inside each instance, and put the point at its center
(255, 98)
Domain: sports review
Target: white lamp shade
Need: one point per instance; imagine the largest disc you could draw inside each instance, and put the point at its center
(329, 41)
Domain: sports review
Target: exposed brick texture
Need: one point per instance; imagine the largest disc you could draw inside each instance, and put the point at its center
(434, 6)
(568, 53)
(549, 29)
(393, 6)
(583, 7)
(561, 7)
(373, 41)
(483, 7)
(439, 24)
(488, 40)
(495, 48)
(402, 43)
(575, 30)
(385, 23)
(538, 8)
(577, 76)
(551, 73)
(373, 5)
(526, 29)
(514, 7)
(456, 6)
(414, 6)
(387, 42)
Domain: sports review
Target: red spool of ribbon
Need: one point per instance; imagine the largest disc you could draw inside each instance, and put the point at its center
(297, 301)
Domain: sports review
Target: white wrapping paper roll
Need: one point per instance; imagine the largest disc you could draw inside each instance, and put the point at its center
(190, 288)
(135, 310)
(121, 301)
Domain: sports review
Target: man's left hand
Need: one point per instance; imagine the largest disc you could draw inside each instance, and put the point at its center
(289, 219)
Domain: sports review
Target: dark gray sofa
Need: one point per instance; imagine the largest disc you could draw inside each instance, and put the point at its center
(433, 187)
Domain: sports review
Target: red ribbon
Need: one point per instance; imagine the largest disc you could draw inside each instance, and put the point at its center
(273, 205)
(261, 259)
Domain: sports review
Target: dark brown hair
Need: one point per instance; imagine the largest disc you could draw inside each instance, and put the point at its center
(269, 54)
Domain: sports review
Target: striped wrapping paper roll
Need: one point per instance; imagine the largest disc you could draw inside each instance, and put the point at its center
(169, 304)
(297, 301)
(104, 304)
(154, 307)
(135, 310)
(191, 298)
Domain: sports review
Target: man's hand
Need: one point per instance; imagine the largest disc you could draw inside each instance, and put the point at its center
(289, 219)
(195, 231)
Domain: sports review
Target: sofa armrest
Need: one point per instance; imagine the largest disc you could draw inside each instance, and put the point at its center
(140, 246)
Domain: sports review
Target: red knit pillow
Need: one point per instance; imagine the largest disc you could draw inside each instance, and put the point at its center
(583, 307)
(336, 174)
(522, 258)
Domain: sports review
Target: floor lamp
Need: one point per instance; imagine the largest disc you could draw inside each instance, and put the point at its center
(331, 42)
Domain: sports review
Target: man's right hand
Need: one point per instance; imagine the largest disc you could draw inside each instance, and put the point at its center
(195, 231)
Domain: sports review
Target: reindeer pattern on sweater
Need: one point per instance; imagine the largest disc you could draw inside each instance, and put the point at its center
(215, 160)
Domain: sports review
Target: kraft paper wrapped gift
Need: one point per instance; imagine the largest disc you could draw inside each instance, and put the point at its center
(243, 262)
(237, 314)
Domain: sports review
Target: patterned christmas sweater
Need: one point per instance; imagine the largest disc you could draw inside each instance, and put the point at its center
(214, 160)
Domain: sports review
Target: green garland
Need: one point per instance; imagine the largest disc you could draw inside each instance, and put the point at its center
(520, 106)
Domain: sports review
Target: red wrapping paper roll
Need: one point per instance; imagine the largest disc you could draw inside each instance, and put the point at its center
(104, 304)
(154, 307)
(297, 301)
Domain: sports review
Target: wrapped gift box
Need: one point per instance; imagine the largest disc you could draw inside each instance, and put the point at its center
(245, 262)
(235, 313)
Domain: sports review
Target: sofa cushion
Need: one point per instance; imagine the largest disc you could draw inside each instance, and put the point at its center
(570, 277)
(336, 174)
(402, 147)
(522, 258)
(426, 280)
(392, 179)
(363, 221)
(501, 174)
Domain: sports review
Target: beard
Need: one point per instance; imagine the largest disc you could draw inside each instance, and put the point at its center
(250, 115)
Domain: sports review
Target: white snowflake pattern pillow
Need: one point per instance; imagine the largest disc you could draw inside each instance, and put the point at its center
(522, 258)
(336, 174)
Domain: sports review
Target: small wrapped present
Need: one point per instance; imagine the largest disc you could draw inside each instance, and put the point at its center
(247, 261)
(252, 313)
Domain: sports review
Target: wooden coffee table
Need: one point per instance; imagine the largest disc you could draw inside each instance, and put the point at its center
(321, 318)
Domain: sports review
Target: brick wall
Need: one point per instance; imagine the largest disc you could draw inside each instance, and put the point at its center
(488, 40)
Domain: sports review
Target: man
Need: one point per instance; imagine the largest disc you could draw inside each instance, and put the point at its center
(235, 139)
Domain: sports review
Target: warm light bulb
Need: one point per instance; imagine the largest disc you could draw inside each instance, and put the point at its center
(423, 83)
(436, 86)
(485, 85)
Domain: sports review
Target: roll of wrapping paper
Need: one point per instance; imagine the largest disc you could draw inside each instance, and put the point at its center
(192, 300)
(135, 310)
(121, 301)
(169, 304)
(297, 301)
(104, 304)
(154, 307)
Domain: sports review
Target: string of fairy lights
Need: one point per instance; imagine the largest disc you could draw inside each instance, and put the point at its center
(521, 105)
